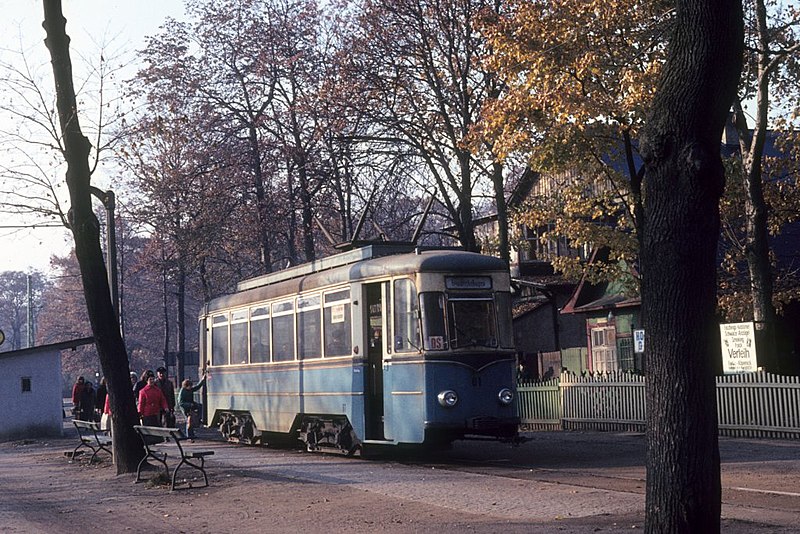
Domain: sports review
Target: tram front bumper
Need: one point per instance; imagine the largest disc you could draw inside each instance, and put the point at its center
(503, 427)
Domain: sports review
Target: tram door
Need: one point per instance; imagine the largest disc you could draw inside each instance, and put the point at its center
(376, 298)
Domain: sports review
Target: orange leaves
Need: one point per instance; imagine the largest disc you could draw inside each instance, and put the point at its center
(574, 62)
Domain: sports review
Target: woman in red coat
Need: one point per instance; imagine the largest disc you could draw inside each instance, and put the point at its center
(77, 392)
(151, 403)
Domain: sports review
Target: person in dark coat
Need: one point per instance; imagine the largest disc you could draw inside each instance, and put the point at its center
(100, 396)
(87, 403)
(168, 389)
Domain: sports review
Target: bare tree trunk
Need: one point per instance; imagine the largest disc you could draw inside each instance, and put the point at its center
(181, 356)
(262, 203)
(165, 313)
(684, 182)
(85, 228)
(756, 247)
(306, 210)
(502, 211)
(467, 223)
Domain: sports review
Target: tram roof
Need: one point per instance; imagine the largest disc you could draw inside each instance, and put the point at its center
(381, 260)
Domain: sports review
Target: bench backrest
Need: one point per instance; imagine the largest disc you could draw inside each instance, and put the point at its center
(158, 431)
(90, 425)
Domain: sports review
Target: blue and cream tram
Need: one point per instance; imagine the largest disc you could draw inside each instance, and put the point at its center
(370, 346)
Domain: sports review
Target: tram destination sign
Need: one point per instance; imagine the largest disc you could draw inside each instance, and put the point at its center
(468, 282)
(738, 348)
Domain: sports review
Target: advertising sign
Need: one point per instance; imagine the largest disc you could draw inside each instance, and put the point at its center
(738, 348)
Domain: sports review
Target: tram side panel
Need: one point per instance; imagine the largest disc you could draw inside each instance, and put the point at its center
(275, 397)
(404, 406)
(329, 390)
(268, 395)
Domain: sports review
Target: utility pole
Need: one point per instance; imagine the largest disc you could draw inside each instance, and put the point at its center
(30, 311)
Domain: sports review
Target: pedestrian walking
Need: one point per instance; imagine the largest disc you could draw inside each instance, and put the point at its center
(100, 397)
(141, 383)
(77, 392)
(168, 389)
(151, 403)
(87, 400)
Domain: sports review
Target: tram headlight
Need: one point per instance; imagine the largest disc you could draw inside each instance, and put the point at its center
(505, 396)
(448, 398)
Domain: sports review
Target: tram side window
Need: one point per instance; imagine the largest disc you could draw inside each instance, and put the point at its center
(219, 340)
(259, 335)
(283, 332)
(309, 336)
(406, 332)
(433, 330)
(239, 337)
(336, 323)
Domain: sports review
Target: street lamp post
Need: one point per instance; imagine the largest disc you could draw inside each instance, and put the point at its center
(109, 203)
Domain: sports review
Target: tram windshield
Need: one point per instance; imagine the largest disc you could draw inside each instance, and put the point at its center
(455, 322)
(471, 323)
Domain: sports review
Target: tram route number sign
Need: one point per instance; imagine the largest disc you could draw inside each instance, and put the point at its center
(638, 341)
(436, 342)
(738, 347)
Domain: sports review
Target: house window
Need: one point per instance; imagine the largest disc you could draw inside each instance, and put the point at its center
(26, 384)
(546, 249)
(625, 348)
(604, 350)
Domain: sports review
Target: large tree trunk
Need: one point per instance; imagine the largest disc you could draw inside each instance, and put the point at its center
(684, 182)
(85, 228)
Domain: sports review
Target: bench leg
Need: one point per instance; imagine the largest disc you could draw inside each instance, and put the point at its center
(200, 468)
(144, 461)
(75, 450)
(98, 449)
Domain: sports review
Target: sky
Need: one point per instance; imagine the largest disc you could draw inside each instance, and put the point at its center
(122, 23)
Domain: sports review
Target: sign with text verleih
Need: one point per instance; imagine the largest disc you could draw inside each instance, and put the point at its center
(738, 348)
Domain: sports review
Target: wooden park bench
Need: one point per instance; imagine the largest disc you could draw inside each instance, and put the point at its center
(152, 436)
(92, 437)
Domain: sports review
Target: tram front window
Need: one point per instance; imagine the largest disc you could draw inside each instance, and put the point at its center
(435, 336)
(457, 322)
(471, 323)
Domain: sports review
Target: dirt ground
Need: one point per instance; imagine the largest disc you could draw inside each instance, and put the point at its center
(44, 492)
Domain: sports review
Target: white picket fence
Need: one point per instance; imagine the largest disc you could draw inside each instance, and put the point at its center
(748, 405)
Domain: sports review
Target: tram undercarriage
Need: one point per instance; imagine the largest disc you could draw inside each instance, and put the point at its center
(315, 432)
(238, 428)
(328, 432)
